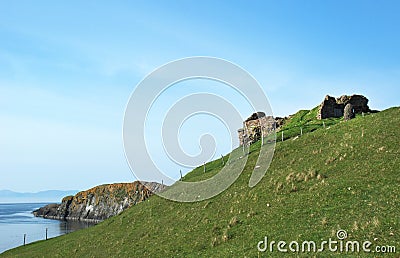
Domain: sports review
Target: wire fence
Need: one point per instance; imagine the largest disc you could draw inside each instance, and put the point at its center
(36, 233)
(20, 239)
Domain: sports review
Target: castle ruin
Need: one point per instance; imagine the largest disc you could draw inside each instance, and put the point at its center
(257, 125)
(332, 107)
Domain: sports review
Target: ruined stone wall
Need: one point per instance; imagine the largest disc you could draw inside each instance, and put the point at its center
(331, 107)
(359, 103)
(242, 136)
(255, 126)
(259, 124)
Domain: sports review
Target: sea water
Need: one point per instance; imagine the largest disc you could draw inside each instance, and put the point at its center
(17, 220)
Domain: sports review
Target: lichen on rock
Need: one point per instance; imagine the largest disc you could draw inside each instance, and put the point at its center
(100, 202)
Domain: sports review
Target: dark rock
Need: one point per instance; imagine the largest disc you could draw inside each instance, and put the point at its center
(255, 116)
(348, 112)
(359, 103)
(332, 107)
(280, 121)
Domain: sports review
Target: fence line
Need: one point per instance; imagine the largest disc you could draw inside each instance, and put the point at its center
(27, 238)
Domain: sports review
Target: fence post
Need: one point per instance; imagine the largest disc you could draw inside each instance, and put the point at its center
(46, 233)
(282, 135)
(204, 167)
(262, 137)
(180, 171)
(24, 239)
(301, 131)
(222, 157)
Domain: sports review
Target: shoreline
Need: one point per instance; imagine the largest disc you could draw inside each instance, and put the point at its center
(94, 221)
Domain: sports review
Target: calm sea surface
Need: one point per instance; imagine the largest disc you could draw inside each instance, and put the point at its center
(17, 220)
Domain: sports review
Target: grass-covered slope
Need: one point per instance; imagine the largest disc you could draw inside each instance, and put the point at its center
(304, 121)
(345, 177)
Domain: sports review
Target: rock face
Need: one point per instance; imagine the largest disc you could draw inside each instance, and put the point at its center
(100, 202)
(332, 107)
(255, 126)
(348, 112)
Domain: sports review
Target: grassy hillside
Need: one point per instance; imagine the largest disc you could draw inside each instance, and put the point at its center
(345, 177)
(304, 121)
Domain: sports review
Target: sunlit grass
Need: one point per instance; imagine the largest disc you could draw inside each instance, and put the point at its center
(345, 177)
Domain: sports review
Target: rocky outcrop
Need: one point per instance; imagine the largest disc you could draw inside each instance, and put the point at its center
(348, 112)
(332, 107)
(257, 125)
(100, 202)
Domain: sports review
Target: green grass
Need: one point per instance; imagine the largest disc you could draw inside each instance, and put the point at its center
(345, 177)
(304, 121)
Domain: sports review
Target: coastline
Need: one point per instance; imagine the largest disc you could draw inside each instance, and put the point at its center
(17, 220)
(94, 221)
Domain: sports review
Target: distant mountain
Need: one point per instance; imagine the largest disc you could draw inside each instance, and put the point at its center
(7, 196)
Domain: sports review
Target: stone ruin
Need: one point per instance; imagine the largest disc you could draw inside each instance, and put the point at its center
(332, 107)
(257, 125)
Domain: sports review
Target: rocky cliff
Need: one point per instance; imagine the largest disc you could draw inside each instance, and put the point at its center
(100, 202)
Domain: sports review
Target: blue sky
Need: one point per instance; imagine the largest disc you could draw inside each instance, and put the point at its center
(67, 71)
